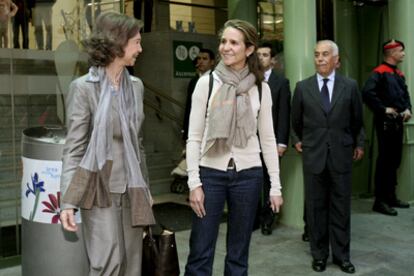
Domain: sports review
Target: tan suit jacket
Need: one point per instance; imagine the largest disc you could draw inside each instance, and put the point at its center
(81, 104)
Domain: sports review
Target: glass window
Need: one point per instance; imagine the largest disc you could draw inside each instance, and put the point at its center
(270, 20)
(193, 16)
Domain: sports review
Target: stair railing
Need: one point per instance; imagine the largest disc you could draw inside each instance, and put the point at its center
(159, 96)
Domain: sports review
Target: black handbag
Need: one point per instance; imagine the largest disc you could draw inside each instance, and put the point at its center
(159, 254)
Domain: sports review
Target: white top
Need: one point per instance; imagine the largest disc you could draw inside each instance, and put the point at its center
(205, 73)
(244, 158)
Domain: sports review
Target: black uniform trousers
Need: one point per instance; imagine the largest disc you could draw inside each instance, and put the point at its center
(328, 212)
(390, 142)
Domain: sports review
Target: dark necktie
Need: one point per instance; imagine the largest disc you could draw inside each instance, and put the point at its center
(325, 96)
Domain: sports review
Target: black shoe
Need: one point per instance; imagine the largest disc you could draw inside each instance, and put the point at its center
(384, 208)
(399, 204)
(305, 237)
(266, 229)
(318, 265)
(345, 266)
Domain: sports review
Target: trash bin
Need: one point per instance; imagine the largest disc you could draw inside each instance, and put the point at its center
(46, 248)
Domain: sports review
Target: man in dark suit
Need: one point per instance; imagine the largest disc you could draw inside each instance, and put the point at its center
(386, 94)
(327, 119)
(279, 87)
(204, 63)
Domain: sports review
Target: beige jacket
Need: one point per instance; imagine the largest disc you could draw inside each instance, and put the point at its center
(81, 105)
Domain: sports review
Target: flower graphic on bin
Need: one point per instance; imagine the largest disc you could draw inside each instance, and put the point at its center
(37, 186)
(35, 189)
(53, 207)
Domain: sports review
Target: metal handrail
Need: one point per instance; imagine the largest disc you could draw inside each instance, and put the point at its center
(193, 5)
(163, 113)
(163, 95)
(159, 94)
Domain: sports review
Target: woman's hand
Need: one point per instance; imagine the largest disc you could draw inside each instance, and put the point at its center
(67, 218)
(275, 203)
(197, 201)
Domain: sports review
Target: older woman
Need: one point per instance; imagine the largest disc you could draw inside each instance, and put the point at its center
(223, 151)
(104, 171)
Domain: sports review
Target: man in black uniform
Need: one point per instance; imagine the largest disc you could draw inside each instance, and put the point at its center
(386, 94)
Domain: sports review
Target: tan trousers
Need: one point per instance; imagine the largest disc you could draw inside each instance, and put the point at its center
(114, 248)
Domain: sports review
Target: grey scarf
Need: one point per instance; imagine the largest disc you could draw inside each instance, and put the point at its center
(231, 119)
(99, 150)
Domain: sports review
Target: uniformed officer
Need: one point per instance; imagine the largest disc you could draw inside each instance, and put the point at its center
(386, 94)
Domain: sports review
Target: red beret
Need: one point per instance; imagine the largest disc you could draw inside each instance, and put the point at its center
(391, 44)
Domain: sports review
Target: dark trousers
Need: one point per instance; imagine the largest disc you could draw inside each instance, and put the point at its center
(328, 208)
(390, 142)
(265, 212)
(24, 26)
(241, 192)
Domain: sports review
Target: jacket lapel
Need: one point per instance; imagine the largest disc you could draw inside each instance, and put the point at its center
(314, 91)
(337, 89)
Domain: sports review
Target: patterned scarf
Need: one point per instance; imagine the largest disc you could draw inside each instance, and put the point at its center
(231, 119)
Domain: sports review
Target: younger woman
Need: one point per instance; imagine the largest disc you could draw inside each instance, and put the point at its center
(223, 152)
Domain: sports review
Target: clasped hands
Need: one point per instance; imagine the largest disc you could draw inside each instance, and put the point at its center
(393, 112)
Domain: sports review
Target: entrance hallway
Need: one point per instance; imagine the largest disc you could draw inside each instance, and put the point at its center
(380, 246)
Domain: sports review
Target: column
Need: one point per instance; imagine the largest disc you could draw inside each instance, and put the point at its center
(300, 38)
(346, 36)
(400, 24)
(243, 9)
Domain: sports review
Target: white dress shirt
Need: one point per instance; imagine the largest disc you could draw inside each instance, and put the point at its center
(330, 83)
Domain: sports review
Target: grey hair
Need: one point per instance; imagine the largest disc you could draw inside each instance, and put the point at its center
(334, 47)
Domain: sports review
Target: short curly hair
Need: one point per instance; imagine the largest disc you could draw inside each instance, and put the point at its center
(109, 37)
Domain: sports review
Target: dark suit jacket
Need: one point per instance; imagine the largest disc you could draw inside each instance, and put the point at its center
(336, 131)
(190, 90)
(279, 87)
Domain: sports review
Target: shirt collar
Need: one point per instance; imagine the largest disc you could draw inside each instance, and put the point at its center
(93, 75)
(267, 74)
(390, 65)
(331, 77)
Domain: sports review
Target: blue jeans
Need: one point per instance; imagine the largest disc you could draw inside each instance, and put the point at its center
(241, 191)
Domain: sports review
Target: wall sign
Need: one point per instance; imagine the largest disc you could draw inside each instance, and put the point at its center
(185, 53)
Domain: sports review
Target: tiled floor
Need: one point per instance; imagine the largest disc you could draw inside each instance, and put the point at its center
(381, 246)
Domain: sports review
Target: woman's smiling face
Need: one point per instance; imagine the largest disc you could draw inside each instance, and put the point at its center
(132, 50)
(233, 49)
